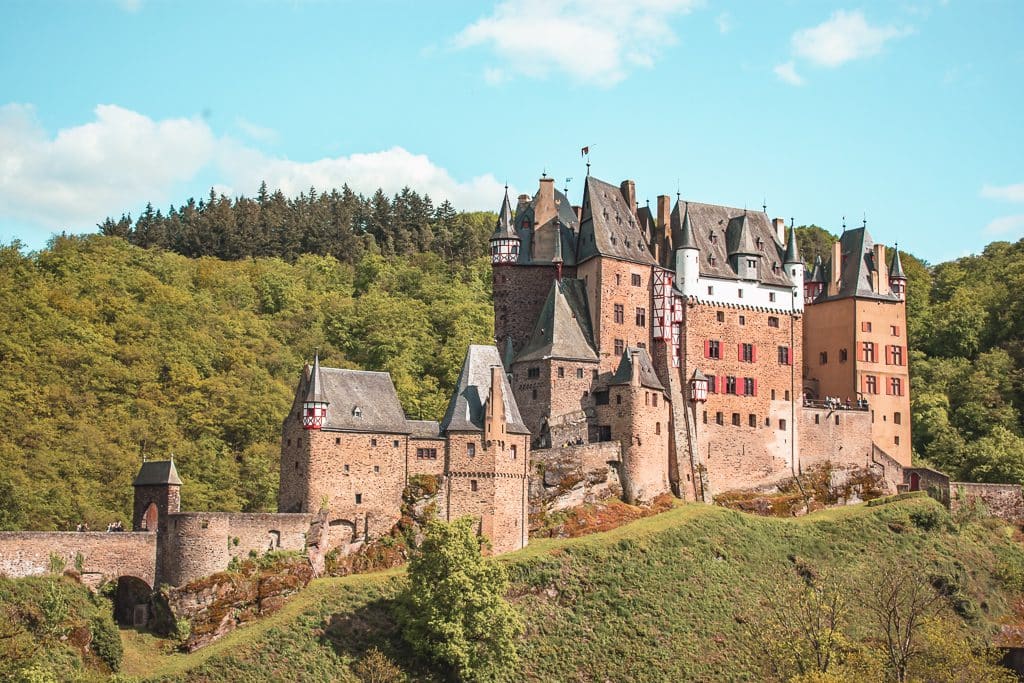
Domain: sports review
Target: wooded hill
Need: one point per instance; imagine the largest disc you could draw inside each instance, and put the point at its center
(113, 352)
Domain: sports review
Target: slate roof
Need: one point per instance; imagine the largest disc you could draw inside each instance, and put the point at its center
(896, 265)
(424, 429)
(505, 227)
(609, 227)
(726, 223)
(563, 327)
(792, 254)
(466, 408)
(686, 240)
(857, 249)
(314, 392)
(541, 252)
(636, 360)
(361, 401)
(818, 272)
(157, 473)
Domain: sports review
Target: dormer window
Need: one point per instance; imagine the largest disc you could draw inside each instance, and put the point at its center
(760, 243)
(357, 411)
(775, 267)
(712, 260)
(713, 237)
(751, 263)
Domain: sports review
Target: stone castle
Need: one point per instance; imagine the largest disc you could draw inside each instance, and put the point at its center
(682, 350)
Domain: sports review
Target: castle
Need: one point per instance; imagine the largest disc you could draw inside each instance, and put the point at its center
(678, 350)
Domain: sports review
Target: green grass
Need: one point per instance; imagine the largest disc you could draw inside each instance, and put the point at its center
(659, 599)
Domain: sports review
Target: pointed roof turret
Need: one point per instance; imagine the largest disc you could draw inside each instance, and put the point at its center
(895, 265)
(157, 473)
(563, 327)
(505, 230)
(687, 240)
(315, 391)
(740, 238)
(792, 252)
(818, 272)
(636, 367)
(466, 408)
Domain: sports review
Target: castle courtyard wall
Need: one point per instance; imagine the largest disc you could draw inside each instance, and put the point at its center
(842, 437)
(104, 556)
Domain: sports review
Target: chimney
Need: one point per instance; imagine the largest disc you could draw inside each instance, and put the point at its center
(545, 208)
(494, 415)
(628, 189)
(881, 276)
(837, 269)
(664, 223)
(780, 230)
(578, 210)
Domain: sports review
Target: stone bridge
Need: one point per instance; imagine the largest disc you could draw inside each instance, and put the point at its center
(101, 556)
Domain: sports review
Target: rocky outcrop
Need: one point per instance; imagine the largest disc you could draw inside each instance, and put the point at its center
(573, 475)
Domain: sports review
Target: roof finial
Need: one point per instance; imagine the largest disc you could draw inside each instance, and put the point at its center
(678, 194)
(791, 221)
(544, 173)
(864, 223)
(764, 205)
(844, 223)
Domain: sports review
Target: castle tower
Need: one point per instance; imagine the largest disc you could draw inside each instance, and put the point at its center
(743, 251)
(855, 340)
(488, 456)
(897, 278)
(157, 494)
(814, 285)
(687, 258)
(795, 266)
(314, 408)
(504, 241)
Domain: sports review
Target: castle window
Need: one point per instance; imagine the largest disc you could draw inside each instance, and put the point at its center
(735, 419)
(772, 320)
(894, 330)
(843, 355)
(712, 384)
(394, 444)
(654, 400)
(868, 350)
(471, 449)
(767, 422)
(752, 420)
(720, 316)
(760, 243)
(712, 260)
(771, 297)
(711, 290)
(747, 353)
(426, 454)
(896, 386)
(749, 386)
(641, 317)
(719, 418)
(620, 313)
(751, 263)
(296, 464)
(359, 499)
(579, 373)
(532, 373)
(705, 417)
(205, 524)
(786, 396)
(823, 358)
(657, 428)
(865, 326)
(604, 433)
(337, 441)
(713, 237)
(837, 418)
(635, 279)
(601, 398)
(289, 442)
(783, 355)
(773, 394)
(743, 320)
(376, 469)
(373, 442)
(513, 452)
(594, 373)
(620, 346)
(782, 424)
(730, 385)
(775, 269)
(618, 279)
(561, 373)
(739, 293)
(472, 484)
(897, 355)
(897, 440)
(712, 349)
(618, 399)
(346, 468)
(870, 384)
(897, 418)
(817, 419)
(357, 411)
(534, 394)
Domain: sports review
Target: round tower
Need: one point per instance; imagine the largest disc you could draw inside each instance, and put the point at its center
(504, 240)
(314, 408)
(897, 278)
(794, 266)
(687, 258)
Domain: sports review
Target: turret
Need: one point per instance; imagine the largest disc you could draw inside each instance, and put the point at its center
(742, 251)
(504, 241)
(314, 407)
(157, 494)
(794, 265)
(557, 258)
(687, 257)
(814, 285)
(897, 278)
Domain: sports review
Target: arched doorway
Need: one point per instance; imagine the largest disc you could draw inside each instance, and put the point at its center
(342, 532)
(915, 481)
(131, 601)
(150, 518)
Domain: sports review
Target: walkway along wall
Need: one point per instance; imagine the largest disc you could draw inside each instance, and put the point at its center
(98, 556)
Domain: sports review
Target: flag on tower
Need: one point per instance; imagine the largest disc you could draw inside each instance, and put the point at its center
(585, 151)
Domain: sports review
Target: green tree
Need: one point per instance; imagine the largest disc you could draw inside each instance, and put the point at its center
(454, 610)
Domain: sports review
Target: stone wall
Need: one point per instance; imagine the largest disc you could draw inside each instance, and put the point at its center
(198, 544)
(842, 437)
(426, 464)
(1001, 500)
(104, 556)
(519, 296)
(639, 420)
(565, 477)
(609, 282)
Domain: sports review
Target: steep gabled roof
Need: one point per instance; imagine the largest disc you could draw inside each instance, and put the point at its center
(686, 240)
(636, 360)
(157, 473)
(360, 401)
(708, 219)
(466, 407)
(537, 244)
(314, 390)
(792, 254)
(739, 237)
(563, 327)
(505, 227)
(896, 265)
(608, 227)
(857, 249)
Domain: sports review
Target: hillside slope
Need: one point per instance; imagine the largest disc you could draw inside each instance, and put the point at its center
(669, 597)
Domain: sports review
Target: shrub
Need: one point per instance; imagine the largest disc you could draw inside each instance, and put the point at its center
(375, 667)
(106, 641)
(930, 518)
(55, 609)
(57, 563)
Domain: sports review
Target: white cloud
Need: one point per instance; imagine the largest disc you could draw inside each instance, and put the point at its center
(123, 159)
(594, 41)
(844, 37)
(1006, 225)
(724, 22)
(256, 131)
(787, 72)
(1010, 193)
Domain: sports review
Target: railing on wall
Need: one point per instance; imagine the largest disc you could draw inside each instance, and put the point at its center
(860, 405)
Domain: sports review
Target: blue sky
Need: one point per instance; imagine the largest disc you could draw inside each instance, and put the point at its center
(908, 112)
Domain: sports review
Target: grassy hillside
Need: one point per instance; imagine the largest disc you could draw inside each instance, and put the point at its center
(669, 597)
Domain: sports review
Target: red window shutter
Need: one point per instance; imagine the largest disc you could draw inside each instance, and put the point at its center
(888, 386)
(755, 387)
(707, 348)
(888, 355)
(753, 356)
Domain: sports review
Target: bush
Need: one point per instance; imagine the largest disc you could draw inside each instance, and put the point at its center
(931, 518)
(375, 667)
(106, 641)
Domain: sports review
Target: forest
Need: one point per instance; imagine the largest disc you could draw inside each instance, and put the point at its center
(184, 333)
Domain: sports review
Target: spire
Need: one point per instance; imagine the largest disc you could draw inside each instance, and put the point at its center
(895, 265)
(742, 242)
(792, 252)
(687, 241)
(314, 394)
(504, 229)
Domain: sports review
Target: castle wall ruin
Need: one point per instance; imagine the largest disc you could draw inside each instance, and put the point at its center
(102, 556)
